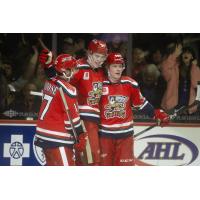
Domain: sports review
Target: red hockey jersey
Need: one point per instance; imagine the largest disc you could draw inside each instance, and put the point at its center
(88, 83)
(53, 126)
(116, 107)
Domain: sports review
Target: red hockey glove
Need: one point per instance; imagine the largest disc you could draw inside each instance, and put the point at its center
(80, 146)
(46, 58)
(162, 117)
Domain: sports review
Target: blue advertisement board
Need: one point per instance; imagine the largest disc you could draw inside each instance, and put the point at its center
(16, 146)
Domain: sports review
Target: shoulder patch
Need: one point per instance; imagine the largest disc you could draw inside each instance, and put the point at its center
(86, 76)
(130, 81)
(106, 82)
(83, 66)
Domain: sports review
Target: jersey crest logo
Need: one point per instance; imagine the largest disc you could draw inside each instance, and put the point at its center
(95, 94)
(86, 76)
(105, 91)
(116, 107)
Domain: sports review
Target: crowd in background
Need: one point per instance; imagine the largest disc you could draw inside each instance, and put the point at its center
(166, 66)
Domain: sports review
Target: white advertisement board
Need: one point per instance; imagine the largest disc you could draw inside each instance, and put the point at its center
(175, 146)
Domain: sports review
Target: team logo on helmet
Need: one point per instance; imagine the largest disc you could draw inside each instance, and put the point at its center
(95, 94)
(115, 58)
(98, 46)
(116, 107)
(63, 62)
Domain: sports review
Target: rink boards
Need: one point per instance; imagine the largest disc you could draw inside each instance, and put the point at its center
(176, 145)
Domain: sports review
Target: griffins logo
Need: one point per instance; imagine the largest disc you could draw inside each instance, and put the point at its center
(115, 107)
(95, 94)
(165, 150)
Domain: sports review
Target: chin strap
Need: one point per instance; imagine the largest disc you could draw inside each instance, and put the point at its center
(68, 77)
(108, 73)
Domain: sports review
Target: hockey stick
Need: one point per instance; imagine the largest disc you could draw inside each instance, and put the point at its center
(88, 147)
(176, 113)
(84, 157)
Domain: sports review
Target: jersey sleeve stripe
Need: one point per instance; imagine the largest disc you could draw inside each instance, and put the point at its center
(106, 82)
(75, 126)
(117, 125)
(142, 106)
(53, 132)
(89, 114)
(67, 90)
(134, 84)
(63, 156)
(83, 66)
(74, 120)
(88, 108)
(148, 109)
(55, 140)
(116, 132)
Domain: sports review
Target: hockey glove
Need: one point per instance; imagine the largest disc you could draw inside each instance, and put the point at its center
(81, 145)
(46, 58)
(162, 117)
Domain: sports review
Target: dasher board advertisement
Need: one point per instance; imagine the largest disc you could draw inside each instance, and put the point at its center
(167, 146)
(16, 146)
(176, 146)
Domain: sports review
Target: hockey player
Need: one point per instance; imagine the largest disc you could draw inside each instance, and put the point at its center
(56, 126)
(120, 93)
(88, 81)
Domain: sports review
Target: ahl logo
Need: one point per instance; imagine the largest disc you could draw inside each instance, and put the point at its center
(16, 150)
(165, 150)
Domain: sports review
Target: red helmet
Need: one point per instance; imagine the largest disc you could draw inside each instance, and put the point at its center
(98, 46)
(63, 62)
(115, 58)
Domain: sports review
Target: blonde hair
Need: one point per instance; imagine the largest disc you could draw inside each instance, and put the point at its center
(151, 69)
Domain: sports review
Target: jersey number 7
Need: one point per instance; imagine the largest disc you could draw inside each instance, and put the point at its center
(48, 99)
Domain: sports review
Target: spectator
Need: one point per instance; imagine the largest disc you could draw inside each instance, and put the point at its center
(155, 57)
(139, 62)
(170, 73)
(22, 59)
(181, 77)
(30, 103)
(3, 91)
(79, 48)
(189, 75)
(28, 73)
(25, 105)
(118, 44)
(7, 68)
(149, 85)
(68, 46)
(6, 96)
(39, 78)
